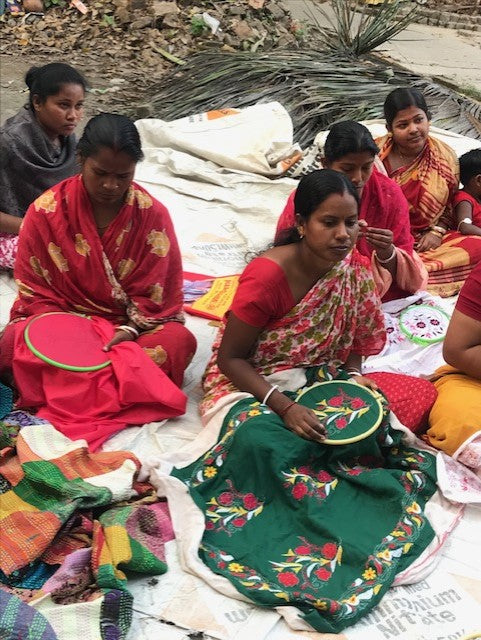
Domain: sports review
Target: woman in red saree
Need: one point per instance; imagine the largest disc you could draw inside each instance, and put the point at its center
(384, 236)
(98, 244)
(427, 170)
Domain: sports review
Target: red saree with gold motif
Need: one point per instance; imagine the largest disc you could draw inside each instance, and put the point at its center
(133, 272)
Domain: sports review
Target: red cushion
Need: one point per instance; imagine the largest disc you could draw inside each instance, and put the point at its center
(410, 398)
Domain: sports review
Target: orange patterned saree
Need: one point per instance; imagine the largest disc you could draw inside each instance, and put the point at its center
(428, 183)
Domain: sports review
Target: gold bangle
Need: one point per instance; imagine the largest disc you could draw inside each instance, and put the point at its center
(436, 233)
(440, 230)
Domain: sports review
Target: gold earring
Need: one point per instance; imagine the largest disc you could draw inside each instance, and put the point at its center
(301, 234)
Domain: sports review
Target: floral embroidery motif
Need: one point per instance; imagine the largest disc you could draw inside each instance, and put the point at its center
(125, 267)
(143, 199)
(157, 354)
(156, 292)
(120, 237)
(46, 202)
(39, 270)
(306, 482)
(231, 510)
(383, 561)
(82, 247)
(57, 256)
(24, 290)
(246, 576)
(160, 243)
(207, 466)
(341, 409)
(308, 565)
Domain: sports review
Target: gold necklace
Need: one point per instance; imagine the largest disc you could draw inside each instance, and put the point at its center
(407, 160)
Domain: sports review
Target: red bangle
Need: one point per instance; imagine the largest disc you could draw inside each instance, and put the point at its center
(283, 412)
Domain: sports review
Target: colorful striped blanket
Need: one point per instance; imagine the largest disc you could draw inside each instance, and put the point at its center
(72, 522)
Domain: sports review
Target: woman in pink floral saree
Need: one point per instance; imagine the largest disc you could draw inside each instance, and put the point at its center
(270, 507)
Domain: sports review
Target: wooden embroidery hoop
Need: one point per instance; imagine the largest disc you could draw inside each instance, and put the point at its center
(369, 395)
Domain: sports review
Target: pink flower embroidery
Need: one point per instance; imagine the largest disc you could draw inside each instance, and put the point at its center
(288, 579)
(225, 498)
(299, 491)
(305, 470)
(336, 401)
(303, 550)
(322, 574)
(329, 550)
(239, 522)
(357, 403)
(250, 501)
(340, 423)
(323, 476)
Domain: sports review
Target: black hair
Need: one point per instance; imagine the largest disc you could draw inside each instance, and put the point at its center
(469, 165)
(346, 137)
(113, 131)
(48, 80)
(311, 192)
(402, 98)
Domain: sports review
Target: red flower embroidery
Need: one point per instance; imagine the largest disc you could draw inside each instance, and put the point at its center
(250, 501)
(322, 574)
(225, 498)
(288, 579)
(329, 550)
(303, 550)
(299, 490)
(357, 403)
(340, 423)
(209, 525)
(336, 401)
(323, 476)
(334, 606)
(305, 470)
(239, 522)
(221, 564)
(355, 471)
(208, 460)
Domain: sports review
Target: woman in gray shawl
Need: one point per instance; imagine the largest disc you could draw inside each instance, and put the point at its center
(37, 146)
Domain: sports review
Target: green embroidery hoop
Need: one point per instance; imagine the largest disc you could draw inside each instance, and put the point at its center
(411, 335)
(362, 420)
(38, 350)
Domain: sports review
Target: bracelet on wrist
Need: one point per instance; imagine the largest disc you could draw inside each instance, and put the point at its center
(354, 372)
(269, 393)
(440, 230)
(283, 412)
(465, 221)
(393, 253)
(128, 329)
(436, 233)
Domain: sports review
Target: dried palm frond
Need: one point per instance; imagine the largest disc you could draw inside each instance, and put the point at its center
(355, 34)
(316, 88)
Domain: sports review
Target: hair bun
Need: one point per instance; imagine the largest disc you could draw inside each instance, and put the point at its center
(31, 76)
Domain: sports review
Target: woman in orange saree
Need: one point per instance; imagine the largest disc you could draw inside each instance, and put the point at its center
(455, 419)
(427, 170)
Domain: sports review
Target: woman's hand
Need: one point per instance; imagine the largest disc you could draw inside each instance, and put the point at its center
(428, 241)
(364, 381)
(304, 423)
(120, 336)
(380, 239)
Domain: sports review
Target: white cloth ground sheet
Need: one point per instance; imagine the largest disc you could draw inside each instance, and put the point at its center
(219, 179)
